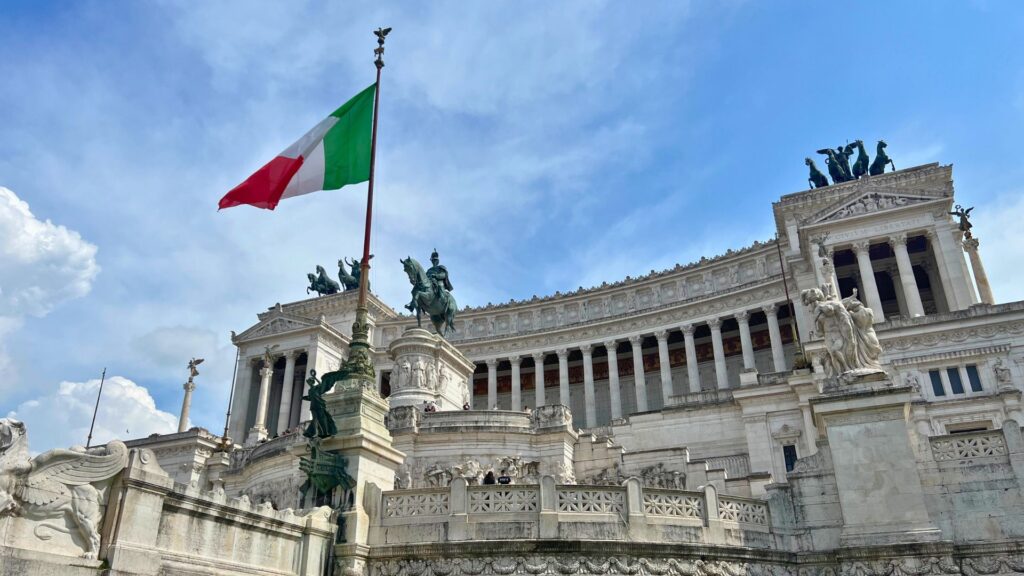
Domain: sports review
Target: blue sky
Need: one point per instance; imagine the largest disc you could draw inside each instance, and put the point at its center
(539, 146)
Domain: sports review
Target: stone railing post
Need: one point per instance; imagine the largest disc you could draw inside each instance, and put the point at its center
(458, 506)
(548, 511)
(715, 531)
(132, 545)
(635, 516)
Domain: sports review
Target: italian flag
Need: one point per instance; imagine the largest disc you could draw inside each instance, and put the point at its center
(334, 153)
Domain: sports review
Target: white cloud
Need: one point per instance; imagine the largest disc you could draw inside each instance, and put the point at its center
(41, 263)
(61, 419)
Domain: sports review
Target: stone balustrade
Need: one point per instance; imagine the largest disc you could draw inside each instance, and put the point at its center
(551, 511)
(969, 446)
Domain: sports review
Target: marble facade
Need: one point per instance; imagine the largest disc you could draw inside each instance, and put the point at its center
(680, 423)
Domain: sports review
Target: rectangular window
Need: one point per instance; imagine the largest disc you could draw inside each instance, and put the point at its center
(973, 378)
(937, 388)
(789, 453)
(955, 383)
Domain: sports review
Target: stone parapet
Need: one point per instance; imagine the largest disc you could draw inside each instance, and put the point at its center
(462, 512)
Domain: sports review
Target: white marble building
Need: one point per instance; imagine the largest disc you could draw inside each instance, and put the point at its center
(713, 444)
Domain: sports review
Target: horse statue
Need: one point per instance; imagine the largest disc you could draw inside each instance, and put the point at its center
(881, 159)
(860, 167)
(441, 309)
(348, 281)
(835, 169)
(816, 179)
(321, 283)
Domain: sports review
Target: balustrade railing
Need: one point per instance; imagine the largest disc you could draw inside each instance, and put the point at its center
(545, 506)
(970, 445)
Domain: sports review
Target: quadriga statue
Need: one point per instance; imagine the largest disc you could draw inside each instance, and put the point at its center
(847, 327)
(60, 483)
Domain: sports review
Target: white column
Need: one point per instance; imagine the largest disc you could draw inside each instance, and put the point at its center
(492, 383)
(943, 271)
(517, 396)
(961, 294)
(286, 391)
(613, 378)
(186, 404)
(867, 279)
(588, 385)
(906, 272)
(538, 380)
(666, 366)
(639, 383)
(747, 346)
(259, 428)
(810, 430)
(692, 370)
(563, 376)
(980, 277)
(721, 376)
(312, 355)
(240, 402)
(778, 358)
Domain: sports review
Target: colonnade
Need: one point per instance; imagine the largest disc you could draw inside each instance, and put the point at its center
(262, 389)
(953, 279)
(668, 387)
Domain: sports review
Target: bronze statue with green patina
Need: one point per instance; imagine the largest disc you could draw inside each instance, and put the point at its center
(322, 423)
(350, 280)
(881, 159)
(816, 178)
(321, 283)
(431, 293)
(964, 225)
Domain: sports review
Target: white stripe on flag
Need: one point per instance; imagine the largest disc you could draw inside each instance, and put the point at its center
(310, 177)
(304, 145)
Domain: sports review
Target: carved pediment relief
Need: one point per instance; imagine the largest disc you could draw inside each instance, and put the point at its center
(275, 325)
(869, 202)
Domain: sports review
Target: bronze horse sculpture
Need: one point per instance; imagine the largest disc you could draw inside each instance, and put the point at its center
(881, 159)
(438, 305)
(816, 179)
(860, 167)
(321, 283)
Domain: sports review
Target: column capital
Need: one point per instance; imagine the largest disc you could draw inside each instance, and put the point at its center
(190, 386)
(611, 346)
(538, 357)
(861, 246)
(770, 309)
(492, 363)
(688, 329)
(266, 372)
(742, 316)
(562, 353)
(898, 240)
(636, 340)
(515, 359)
(586, 349)
(970, 244)
(293, 354)
(715, 323)
(661, 335)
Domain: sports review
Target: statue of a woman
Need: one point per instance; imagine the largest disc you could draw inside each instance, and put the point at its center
(322, 424)
(868, 348)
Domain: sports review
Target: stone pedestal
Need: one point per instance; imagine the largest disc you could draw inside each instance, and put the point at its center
(363, 439)
(868, 429)
(428, 368)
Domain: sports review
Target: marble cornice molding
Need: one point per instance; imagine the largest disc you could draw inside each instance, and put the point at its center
(334, 303)
(621, 328)
(949, 355)
(651, 280)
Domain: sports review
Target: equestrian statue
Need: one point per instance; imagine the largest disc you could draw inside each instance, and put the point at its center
(350, 281)
(838, 163)
(431, 293)
(881, 159)
(321, 283)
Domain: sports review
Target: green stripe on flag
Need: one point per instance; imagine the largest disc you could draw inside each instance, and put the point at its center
(347, 143)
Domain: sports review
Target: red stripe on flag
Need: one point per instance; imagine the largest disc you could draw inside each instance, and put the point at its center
(264, 188)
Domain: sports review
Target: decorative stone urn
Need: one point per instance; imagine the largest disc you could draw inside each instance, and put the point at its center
(428, 368)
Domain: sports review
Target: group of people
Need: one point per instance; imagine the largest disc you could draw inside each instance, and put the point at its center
(504, 478)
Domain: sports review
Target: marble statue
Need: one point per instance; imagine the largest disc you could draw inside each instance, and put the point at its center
(1002, 373)
(816, 178)
(321, 283)
(431, 294)
(881, 159)
(851, 346)
(964, 225)
(322, 423)
(57, 486)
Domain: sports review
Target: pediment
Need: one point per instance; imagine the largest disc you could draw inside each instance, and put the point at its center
(277, 324)
(872, 201)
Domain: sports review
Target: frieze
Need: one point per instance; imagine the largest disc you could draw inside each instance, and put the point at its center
(933, 339)
(564, 564)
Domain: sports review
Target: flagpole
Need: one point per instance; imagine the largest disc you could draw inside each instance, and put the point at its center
(359, 362)
(96, 409)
